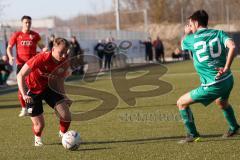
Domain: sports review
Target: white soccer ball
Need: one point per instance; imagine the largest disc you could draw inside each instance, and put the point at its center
(71, 140)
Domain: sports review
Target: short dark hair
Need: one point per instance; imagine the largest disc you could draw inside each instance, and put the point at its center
(201, 17)
(26, 17)
(59, 41)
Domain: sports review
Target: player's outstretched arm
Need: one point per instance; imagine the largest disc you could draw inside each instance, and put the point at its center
(21, 82)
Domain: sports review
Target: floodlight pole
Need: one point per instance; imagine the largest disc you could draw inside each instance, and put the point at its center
(117, 12)
(145, 15)
(145, 20)
(182, 17)
(227, 14)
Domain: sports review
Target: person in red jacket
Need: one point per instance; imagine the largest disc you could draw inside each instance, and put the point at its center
(26, 42)
(40, 72)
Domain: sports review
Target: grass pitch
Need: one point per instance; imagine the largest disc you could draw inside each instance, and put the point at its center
(148, 130)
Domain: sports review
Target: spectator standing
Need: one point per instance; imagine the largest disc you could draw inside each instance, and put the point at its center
(76, 54)
(148, 49)
(5, 70)
(109, 50)
(159, 50)
(99, 49)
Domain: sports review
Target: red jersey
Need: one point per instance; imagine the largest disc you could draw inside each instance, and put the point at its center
(44, 67)
(26, 45)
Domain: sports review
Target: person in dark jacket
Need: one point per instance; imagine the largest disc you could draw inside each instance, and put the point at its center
(99, 49)
(148, 49)
(5, 70)
(76, 54)
(109, 51)
(159, 50)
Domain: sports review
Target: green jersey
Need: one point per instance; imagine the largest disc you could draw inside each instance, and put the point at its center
(208, 47)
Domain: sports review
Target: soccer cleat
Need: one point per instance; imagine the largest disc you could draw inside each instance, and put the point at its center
(190, 138)
(38, 141)
(23, 112)
(231, 133)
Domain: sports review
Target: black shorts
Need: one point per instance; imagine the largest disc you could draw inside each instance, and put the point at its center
(51, 97)
(19, 67)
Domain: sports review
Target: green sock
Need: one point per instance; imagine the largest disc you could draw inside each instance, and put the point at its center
(230, 117)
(188, 121)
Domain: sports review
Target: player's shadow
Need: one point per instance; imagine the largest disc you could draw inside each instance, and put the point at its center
(135, 140)
(205, 138)
(158, 139)
(84, 149)
(219, 138)
(93, 149)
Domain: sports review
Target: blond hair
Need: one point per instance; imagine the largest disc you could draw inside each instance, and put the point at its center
(60, 41)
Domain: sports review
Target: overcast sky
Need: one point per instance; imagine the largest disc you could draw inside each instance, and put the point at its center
(15, 9)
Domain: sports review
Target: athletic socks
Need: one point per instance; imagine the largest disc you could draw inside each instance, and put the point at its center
(188, 121)
(230, 117)
(64, 126)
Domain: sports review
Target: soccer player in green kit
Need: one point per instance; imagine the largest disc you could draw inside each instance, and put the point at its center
(213, 53)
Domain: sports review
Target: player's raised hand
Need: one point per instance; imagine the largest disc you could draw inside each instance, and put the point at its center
(221, 71)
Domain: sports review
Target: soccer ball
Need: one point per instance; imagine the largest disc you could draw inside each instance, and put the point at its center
(71, 140)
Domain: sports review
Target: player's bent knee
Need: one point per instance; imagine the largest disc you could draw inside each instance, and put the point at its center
(180, 103)
(222, 103)
(64, 112)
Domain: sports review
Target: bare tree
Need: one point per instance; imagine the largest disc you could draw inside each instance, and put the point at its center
(170, 10)
(159, 11)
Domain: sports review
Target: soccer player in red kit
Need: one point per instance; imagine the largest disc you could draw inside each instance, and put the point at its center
(26, 42)
(37, 72)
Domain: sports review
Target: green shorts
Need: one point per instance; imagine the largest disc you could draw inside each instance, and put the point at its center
(207, 95)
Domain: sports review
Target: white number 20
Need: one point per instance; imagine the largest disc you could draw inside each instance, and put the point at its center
(204, 49)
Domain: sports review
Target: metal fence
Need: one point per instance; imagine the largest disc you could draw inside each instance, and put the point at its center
(88, 40)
